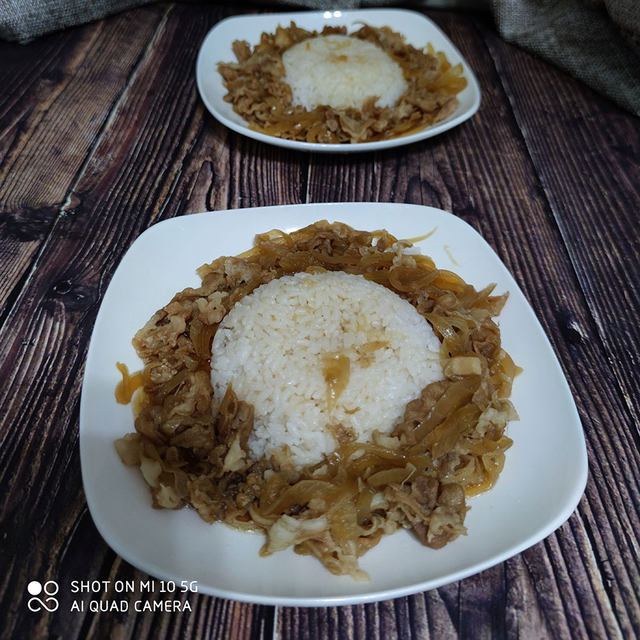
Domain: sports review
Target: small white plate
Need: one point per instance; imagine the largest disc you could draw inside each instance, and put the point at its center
(417, 29)
(543, 478)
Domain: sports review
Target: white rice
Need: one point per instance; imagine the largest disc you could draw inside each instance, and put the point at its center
(341, 71)
(272, 344)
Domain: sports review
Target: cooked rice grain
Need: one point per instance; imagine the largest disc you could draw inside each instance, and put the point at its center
(277, 345)
(342, 72)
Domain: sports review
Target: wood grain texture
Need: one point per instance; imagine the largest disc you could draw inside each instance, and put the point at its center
(64, 94)
(600, 169)
(45, 336)
(102, 134)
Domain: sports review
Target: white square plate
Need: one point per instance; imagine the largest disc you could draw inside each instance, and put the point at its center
(418, 30)
(543, 478)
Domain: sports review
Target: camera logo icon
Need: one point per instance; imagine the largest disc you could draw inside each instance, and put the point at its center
(47, 590)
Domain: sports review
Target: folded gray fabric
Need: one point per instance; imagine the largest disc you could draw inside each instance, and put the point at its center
(24, 20)
(582, 39)
(597, 41)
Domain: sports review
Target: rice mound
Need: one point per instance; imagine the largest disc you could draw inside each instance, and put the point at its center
(272, 345)
(341, 71)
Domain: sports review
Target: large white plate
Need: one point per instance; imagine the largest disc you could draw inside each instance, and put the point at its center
(417, 29)
(543, 479)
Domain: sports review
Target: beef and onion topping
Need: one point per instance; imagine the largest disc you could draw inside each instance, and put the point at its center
(333, 87)
(327, 387)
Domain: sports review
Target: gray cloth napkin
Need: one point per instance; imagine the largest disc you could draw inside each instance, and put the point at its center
(597, 44)
(597, 41)
(24, 20)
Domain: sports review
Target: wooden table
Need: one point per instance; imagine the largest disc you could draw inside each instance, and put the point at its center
(102, 134)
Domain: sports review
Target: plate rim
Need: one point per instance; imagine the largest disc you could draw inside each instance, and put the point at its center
(150, 567)
(359, 147)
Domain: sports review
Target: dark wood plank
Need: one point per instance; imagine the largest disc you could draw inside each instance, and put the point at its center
(590, 175)
(58, 98)
(128, 181)
(426, 616)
